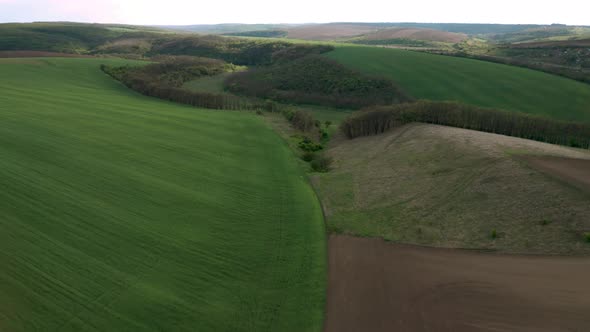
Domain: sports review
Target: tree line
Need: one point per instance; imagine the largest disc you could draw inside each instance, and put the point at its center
(376, 120)
(315, 79)
(164, 80)
(239, 51)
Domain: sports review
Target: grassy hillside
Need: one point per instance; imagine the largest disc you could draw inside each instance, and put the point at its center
(68, 37)
(416, 34)
(126, 213)
(450, 187)
(476, 82)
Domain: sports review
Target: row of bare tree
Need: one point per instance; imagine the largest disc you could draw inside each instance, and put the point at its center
(376, 120)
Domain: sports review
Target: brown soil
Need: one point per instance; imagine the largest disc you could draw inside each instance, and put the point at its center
(573, 171)
(417, 34)
(378, 286)
(36, 54)
(328, 31)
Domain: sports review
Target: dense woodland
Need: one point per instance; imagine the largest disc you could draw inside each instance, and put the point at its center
(316, 80)
(165, 78)
(239, 51)
(376, 120)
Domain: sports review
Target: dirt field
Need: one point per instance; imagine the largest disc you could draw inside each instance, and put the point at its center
(328, 31)
(417, 34)
(36, 54)
(378, 286)
(573, 171)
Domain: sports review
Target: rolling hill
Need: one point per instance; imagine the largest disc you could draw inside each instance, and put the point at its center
(328, 31)
(68, 37)
(486, 84)
(121, 212)
(456, 188)
(416, 34)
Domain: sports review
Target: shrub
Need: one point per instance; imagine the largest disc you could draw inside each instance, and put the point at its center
(308, 145)
(288, 114)
(494, 234)
(321, 163)
(302, 120)
(308, 156)
(587, 237)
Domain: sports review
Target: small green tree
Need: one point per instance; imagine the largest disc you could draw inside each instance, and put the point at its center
(308, 156)
(321, 163)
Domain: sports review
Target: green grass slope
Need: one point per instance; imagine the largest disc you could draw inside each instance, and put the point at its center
(66, 37)
(451, 187)
(120, 212)
(486, 84)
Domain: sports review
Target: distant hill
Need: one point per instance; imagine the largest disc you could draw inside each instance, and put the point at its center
(543, 33)
(226, 28)
(259, 33)
(67, 37)
(329, 31)
(417, 34)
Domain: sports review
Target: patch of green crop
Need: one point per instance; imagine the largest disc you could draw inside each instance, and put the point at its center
(486, 84)
(120, 212)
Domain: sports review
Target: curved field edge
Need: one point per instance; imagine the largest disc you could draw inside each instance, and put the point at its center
(123, 212)
(486, 84)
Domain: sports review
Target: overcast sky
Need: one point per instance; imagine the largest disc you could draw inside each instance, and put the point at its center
(169, 12)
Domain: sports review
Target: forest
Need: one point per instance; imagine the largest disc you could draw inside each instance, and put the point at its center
(316, 80)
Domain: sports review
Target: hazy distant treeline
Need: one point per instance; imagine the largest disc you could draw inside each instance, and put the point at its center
(259, 33)
(376, 120)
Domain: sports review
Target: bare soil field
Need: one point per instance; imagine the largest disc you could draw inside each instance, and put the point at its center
(573, 171)
(37, 54)
(417, 34)
(379, 286)
(328, 31)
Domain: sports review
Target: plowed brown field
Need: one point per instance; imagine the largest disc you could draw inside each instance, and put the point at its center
(379, 286)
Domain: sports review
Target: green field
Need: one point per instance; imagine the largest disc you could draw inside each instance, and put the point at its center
(209, 84)
(428, 76)
(121, 212)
